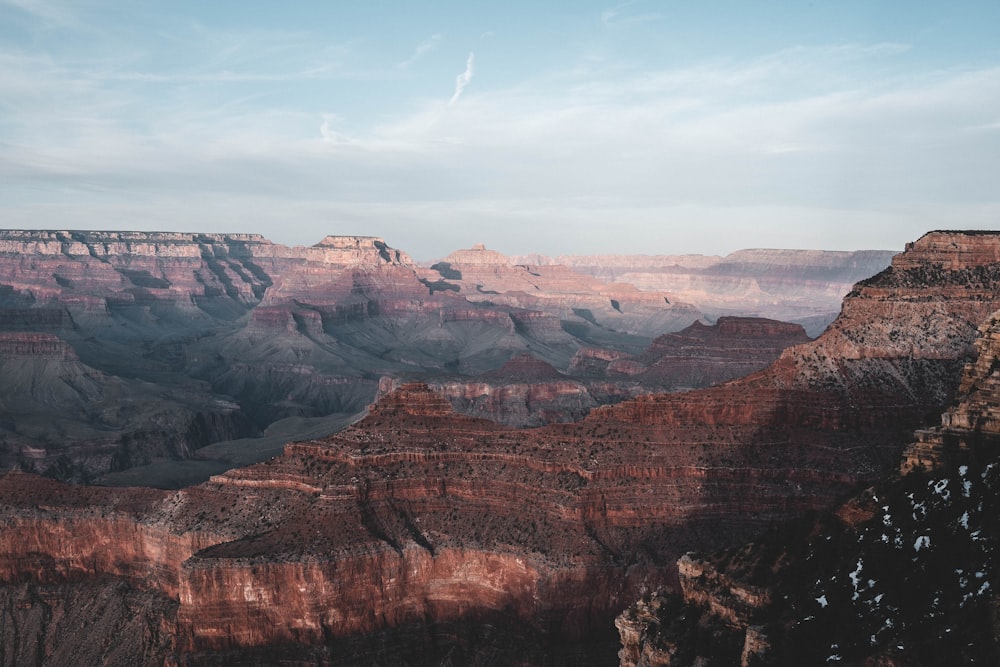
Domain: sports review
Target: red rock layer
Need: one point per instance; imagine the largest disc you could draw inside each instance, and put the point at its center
(702, 355)
(417, 514)
(734, 589)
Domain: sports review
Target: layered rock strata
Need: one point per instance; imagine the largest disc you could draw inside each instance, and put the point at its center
(488, 276)
(417, 517)
(804, 286)
(905, 572)
(526, 391)
(975, 419)
(703, 355)
(219, 336)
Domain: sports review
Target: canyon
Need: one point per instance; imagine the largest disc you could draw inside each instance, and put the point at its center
(801, 286)
(419, 535)
(904, 572)
(163, 358)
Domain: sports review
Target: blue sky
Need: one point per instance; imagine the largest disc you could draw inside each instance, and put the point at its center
(561, 127)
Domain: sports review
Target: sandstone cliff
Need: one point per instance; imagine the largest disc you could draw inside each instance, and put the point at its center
(420, 523)
(903, 573)
(702, 355)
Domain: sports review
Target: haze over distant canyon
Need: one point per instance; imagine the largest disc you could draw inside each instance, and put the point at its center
(199, 351)
(485, 460)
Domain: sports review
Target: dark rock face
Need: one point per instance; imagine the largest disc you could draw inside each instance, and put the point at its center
(702, 355)
(904, 573)
(417, 517)
(85, 623)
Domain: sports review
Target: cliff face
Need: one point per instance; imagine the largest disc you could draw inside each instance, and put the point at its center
(903, 573)
(136, 349)
(85, 623)
(417, 517)
(701, 355)
(418, 522)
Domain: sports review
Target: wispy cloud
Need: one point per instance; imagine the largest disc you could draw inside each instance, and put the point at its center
(47, 12)
(463, 79)
(422, 48)
(259, 127)
(616, 16)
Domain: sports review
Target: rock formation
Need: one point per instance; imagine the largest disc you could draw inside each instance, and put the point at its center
(487, 276)
(903, 573)
(220, 336)
(804, 286)
(418, 527)
(527, 391)
(702, 355)
(214, 337)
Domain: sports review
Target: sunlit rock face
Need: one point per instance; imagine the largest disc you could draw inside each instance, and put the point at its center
(420, 528)
(174, 341)
(485, 275)
(159, 343)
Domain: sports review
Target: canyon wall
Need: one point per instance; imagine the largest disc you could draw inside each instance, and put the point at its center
(902, 573)
(420, 522)
(137, 349)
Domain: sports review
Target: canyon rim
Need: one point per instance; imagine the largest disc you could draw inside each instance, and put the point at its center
(419, 535)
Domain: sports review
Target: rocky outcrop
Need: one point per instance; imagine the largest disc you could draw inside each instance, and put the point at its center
(527, 391)
(101, 622)
(903, 572)
(701, 355)
(974, 421)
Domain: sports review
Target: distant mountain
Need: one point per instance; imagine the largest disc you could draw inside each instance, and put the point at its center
(803, 286)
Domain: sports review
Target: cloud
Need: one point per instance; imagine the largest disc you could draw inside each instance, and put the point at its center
(719, 152)
(615, 16)
(422, 48)
(463, 79)
(46, 12)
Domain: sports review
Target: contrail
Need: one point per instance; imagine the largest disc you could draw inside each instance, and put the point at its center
(463, 79)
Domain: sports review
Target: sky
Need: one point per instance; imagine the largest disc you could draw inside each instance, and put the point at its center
(578, 127)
